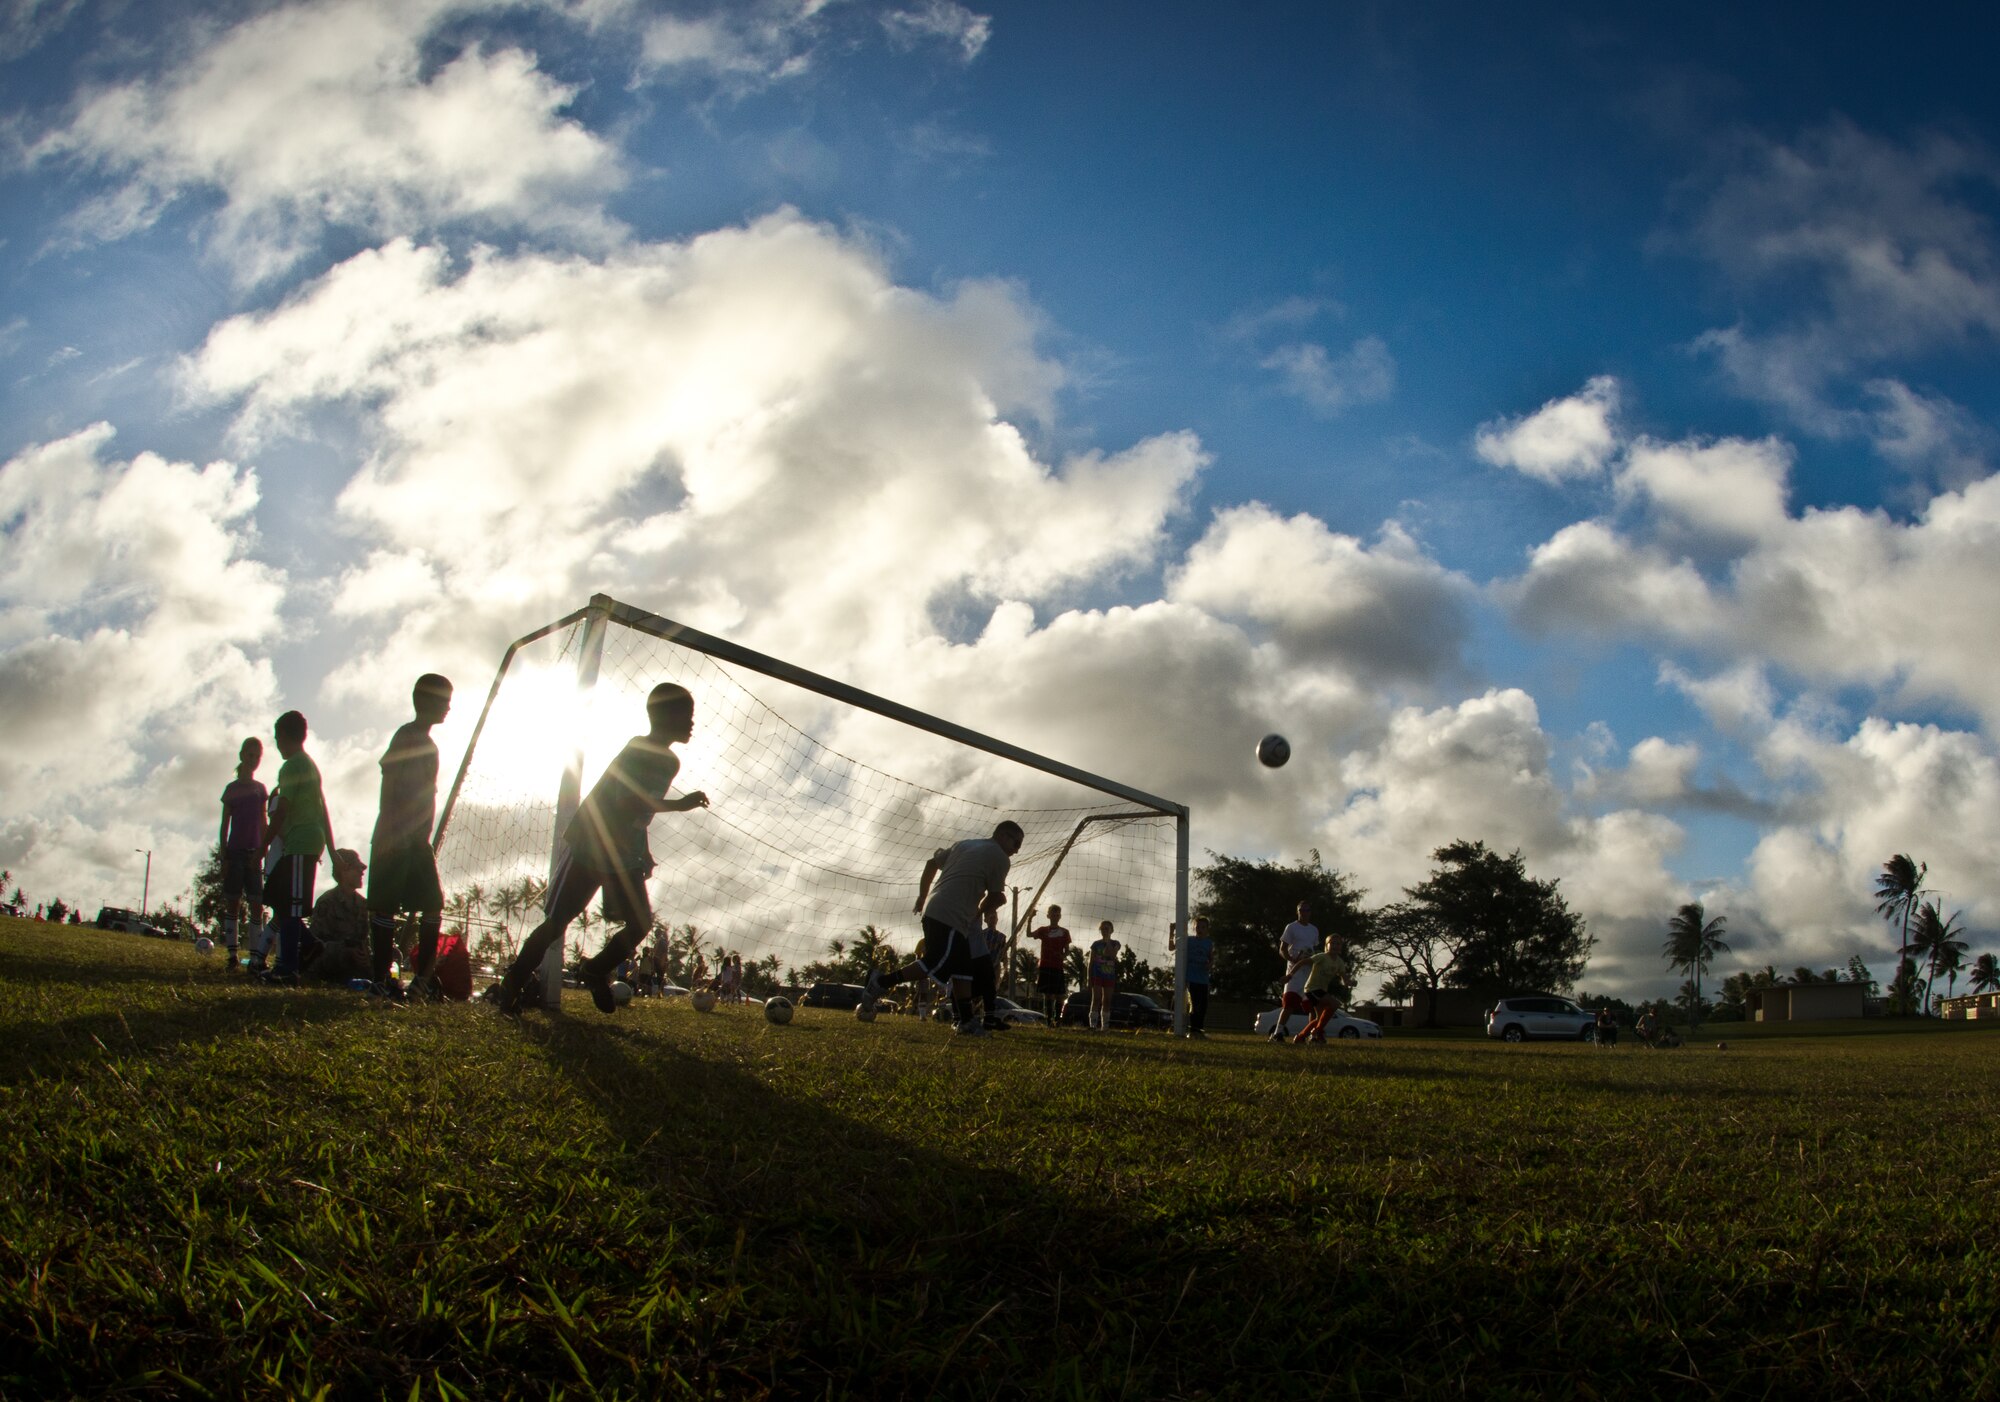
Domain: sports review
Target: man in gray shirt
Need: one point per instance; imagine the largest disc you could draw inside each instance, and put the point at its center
(960, 882)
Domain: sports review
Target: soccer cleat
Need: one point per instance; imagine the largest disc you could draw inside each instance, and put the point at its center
(873, 985)
(969, 1028)
(599, 984)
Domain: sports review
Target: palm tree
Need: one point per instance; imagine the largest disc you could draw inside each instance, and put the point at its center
(1896, 895)
(1692, 944)
(1937, 943)
(1986, 974)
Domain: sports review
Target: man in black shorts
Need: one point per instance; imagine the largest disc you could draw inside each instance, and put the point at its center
(971, 878)
(402, 868)
(604, 849)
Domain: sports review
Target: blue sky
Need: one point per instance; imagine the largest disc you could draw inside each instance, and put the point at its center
(1573, 431)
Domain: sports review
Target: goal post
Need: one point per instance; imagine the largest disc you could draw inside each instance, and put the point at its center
(826, 799)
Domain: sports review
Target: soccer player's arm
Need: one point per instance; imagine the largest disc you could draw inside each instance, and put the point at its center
(931, 869)
(222, 833)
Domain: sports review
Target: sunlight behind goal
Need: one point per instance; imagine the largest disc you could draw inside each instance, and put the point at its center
(825, 802)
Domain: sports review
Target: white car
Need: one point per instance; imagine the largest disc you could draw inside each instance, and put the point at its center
(1538, 1018)
(1339, 1025)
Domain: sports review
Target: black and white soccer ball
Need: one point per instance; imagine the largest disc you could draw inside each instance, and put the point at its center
(1273, 751)
(778, 1010)
(864, 1011)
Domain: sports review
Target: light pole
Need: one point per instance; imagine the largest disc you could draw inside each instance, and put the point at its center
(146, 889)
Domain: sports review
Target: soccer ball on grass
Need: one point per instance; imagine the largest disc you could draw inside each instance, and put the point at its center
(621, 992)
(864, 1011)
(702, 1000)
(778, 1010)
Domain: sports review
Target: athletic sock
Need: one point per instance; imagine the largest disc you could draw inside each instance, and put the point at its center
(961, 1009)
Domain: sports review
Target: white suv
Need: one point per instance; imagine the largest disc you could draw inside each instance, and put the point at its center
(1517, 1019)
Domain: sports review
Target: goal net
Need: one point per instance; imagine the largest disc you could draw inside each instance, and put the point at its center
(825, 803)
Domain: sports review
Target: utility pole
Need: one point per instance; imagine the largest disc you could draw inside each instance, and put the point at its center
(146, 889)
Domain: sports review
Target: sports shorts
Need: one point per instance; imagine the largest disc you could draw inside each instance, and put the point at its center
(293, 877)
(571, 888)
(1096, 982)
(946, 954)
(1052, 982)
(404, 878)
(1296, 1003)
(240, 878)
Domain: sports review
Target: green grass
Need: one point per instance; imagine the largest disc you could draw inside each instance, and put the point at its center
(211, 1189)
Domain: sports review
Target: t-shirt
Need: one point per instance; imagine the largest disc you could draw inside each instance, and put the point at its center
(275, 851)
(243, 803)
(305, 808)
(969, 872)
(341, 915)
(1298, 942)
(1055, 946)
(1325, 972)
(1104, 960)
(1200, 955)
(409, 789)
(608, 832)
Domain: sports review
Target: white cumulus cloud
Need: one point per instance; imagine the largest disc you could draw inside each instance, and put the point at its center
(1565, 438)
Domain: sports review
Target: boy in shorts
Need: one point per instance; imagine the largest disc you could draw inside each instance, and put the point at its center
(1327, 974)
(1103, 976)
(241, 840)
(403, 868)
(301, 822)
(604, 849)
(1200, 959)
(1051, 981)
(970, 877)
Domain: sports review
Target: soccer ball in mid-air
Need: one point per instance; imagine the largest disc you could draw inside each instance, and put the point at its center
(1273, 751)
(778, 1010)
(702, 1000)
(204, 945)
(864, 1011)
(621, 992)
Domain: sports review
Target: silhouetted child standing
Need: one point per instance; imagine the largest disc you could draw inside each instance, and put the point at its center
(404, 878)
(300, 821)
(241, 841)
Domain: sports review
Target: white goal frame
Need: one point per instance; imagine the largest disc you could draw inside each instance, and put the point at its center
(603, 610)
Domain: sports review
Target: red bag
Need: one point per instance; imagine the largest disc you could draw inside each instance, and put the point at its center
(454, 968)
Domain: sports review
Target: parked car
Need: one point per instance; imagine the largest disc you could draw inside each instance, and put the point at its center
(1541, 1017)
(1006, 1009)
(1339, 1025)
(1127, 1010)
(841, 997)
(112, 917)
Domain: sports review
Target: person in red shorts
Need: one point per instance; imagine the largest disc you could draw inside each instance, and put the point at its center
(1296, 945)
(1327, 974)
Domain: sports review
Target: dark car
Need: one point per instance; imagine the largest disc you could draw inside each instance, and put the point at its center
(112, 917)
(1127, 1010)
(841, 997)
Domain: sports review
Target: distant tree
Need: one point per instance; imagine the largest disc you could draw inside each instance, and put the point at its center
(1512, 932)
(207, 903)
(1692, 1003)
(57, 910)
(760, 976)
(1905, 987)
(1414, 940)
(1896, 900)
(1248, 904)
(1986, 974)
(1857, 972)
(1693, 941)
(1935, 942)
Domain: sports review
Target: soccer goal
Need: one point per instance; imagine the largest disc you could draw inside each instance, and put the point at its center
(825, 803)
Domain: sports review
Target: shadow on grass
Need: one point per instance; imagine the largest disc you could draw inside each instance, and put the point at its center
(840, 1252)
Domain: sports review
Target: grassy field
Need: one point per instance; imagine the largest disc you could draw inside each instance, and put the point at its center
(207, 1188)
